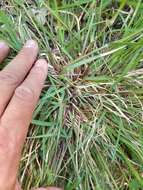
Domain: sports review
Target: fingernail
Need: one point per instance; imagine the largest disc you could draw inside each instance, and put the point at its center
(3, 45)
(31, 44)
(42, 65)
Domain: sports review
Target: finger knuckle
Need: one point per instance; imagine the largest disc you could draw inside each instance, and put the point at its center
(9, 78)
(25, 94)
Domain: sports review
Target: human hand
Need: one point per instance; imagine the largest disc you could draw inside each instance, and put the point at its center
(21, 82)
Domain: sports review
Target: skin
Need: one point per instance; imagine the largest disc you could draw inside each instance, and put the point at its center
(21, 82)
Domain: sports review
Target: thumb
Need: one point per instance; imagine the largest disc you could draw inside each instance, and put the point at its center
(48, 188)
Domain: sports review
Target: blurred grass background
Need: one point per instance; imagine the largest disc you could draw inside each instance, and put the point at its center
(87, 131)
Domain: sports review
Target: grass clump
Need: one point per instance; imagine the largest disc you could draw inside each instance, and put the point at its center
(86, 132)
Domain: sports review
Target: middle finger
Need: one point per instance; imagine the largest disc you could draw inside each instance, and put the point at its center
(14, 73)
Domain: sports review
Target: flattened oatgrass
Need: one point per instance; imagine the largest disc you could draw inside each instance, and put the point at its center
(87, 131)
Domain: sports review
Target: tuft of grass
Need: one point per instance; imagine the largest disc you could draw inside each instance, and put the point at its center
(87, 131)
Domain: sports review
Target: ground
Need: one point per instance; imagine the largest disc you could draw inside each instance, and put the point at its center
(86, 132)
